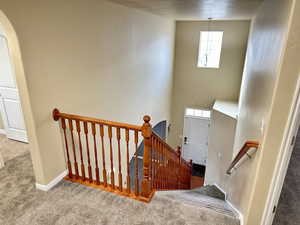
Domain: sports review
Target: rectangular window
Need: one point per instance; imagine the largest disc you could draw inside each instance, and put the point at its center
(197, 113)
(210, 46)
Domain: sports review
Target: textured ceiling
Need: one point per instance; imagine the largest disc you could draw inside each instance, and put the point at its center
(196, 9)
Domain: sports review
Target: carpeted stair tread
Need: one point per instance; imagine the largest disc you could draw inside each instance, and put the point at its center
(199, 201)
(212, 191)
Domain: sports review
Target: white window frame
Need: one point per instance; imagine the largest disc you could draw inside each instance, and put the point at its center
(206, 47)
(196, 116)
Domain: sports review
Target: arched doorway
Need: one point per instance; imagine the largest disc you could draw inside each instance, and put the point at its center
(17, 80)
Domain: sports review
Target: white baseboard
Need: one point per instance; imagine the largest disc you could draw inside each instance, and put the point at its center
(2, 131)
(241, 217)
(54, 182)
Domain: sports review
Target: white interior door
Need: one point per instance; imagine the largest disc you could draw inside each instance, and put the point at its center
(10, 107)
(195, 139)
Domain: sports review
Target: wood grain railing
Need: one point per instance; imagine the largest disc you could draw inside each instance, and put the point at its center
(244, 151)
(98, 154)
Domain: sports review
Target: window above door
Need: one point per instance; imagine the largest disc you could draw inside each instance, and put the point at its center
(210, 46)
(197, 113)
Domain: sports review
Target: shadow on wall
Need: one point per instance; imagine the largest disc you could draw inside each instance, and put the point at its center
(161, 130)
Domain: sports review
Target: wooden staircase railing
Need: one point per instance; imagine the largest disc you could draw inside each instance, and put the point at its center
(98, 154)
(244, 151)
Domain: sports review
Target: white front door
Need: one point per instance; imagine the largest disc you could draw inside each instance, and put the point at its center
(10, 107)
(195, 139)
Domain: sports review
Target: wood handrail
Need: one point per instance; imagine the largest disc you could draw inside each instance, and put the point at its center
(244, 150)
(94, 145)
(57, 115)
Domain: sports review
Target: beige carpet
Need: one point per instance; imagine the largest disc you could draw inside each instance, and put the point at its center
(10, 149)
(74, 204)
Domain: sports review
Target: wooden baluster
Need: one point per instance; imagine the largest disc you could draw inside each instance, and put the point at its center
(63, 123)
(178, 167)
(151, 163)
(162, 166)
(80, 149)
(136, 188)
(155, 163)
(147, 133)
(103, 155)
(189, 174)
(112, 173)
(74, 149)
(96, 154)
(127, 159)
(165, 166)
(119, 158)
(85, 126)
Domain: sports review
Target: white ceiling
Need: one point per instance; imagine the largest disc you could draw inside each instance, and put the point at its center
(197, 9)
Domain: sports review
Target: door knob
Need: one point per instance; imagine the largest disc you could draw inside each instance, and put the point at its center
(185, 140)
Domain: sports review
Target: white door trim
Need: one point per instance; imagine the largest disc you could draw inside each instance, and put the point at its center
(283, 159)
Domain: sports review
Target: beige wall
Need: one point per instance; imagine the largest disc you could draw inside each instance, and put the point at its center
(281, 108)
(264, 106)
(97, 59)
(198, 87)
(1, 123)
(220, 149)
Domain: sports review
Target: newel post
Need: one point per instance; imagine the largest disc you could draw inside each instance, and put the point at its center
(146, 132)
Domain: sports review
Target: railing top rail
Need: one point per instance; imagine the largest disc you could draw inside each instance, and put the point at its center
(57, 115)
(244, 150)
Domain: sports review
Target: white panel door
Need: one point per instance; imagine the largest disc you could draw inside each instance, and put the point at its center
(195, 139)
(10, 107)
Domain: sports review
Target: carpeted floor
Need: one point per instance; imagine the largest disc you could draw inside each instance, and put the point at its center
(10, 149)
(73, 204)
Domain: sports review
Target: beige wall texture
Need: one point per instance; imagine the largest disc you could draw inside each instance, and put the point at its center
(1, 123)
(267, 90)
(220, 148)
(97, 59)
(200, 87)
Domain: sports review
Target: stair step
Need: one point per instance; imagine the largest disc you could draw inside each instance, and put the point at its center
(200, 203)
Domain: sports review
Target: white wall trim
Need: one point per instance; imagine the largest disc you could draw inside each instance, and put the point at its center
(283, 159)
(54, 182)
(2, 131)
(240, 215)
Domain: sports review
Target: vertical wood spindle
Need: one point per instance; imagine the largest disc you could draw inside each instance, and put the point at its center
(85, 125)
(63, 123)
(80, 149)
(136, 190)
(119, 158)
(96, 154)
(74, 149)
(103, 156)
(179, 167)
(112, 173)
(127, 159)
